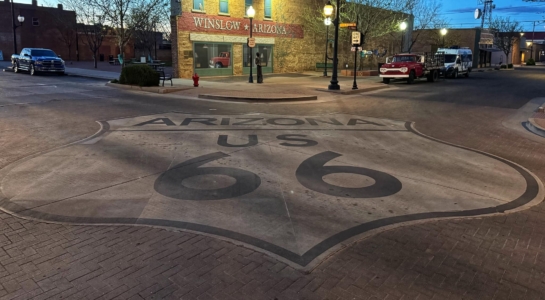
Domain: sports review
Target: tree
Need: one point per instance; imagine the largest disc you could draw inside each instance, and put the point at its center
(123, 17)
(66, 28)
(149, 27)
(507, 31)
(426, 16)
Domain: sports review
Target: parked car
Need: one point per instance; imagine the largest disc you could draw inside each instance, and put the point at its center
(221, 61)
(35, 60)
(411, 66)
(458, 61)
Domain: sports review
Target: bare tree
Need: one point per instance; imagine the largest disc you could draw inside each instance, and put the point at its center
(149, 26)
(122, 16)
(66, 28)
(426, 16)
(507, 31)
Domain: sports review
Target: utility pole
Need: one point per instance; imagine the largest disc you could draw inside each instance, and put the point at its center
(14, 27)
(487, 11)
(532, 48)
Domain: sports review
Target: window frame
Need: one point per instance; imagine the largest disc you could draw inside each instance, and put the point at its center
(222, 12)
(197, 9)
(270, 16)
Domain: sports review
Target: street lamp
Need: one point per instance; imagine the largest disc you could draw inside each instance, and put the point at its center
(328, 12)
(327, 22)
(251, 14)
(21, 20)
(402, 26)
(443, 33)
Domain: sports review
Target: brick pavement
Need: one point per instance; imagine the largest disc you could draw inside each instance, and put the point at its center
(499, 257)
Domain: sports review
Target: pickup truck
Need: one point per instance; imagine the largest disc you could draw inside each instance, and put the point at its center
(412, 66)
(35, 60)
(221, 61)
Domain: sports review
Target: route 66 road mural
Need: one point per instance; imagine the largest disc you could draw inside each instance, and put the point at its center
(297, 187)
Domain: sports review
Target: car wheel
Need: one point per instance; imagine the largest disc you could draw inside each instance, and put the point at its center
(32, 70)
(386, 80)
(218, 66)
(16, 68)
(435, 76)
(466, 74)
(410, 80)
(455, 74)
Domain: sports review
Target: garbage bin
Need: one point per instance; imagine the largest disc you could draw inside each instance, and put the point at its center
(101, 57)
(379, 66)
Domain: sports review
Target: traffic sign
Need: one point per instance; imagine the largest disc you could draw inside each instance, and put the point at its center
(345, 25)
(251, 42)
(356, 38)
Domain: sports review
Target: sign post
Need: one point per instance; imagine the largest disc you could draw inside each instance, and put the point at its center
(356, 42)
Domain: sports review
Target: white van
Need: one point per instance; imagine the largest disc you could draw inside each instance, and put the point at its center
(458, 61)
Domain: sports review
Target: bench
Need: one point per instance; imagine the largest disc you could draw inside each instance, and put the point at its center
(320, 66)
(163, 77)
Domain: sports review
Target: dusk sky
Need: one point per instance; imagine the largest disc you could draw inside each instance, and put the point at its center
(459, 13)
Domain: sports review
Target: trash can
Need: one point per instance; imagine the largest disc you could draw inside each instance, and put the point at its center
(101, 57)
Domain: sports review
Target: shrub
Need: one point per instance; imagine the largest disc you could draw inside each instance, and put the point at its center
(141, 75)
(114, 81)
(504, 66)
(509, 66)
(531, 62)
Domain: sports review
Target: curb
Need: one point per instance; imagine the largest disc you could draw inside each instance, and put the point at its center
(535, 128)
(88, 76)
(358, 91)
(290, 98)
(151, 89)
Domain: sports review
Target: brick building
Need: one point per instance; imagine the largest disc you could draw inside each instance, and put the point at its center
(209, 37)
(52, 28)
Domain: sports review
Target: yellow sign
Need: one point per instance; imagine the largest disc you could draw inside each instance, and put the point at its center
(344, 25)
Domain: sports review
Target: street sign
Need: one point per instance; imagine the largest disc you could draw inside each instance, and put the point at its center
(345, 25)
(356, 38)
(251, 42)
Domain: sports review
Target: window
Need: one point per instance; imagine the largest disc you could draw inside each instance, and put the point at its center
(224, 6)
(248, 4)
(35, 22)
(212, 55)
(198, 5)
(268, 10)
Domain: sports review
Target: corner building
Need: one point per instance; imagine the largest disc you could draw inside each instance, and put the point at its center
(210, 37)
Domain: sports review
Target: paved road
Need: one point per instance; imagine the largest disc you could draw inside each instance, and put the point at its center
(489, 257)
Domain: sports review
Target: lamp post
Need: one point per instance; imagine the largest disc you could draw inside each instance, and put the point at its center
(21, 20)
(327, 22)
(402, 26)
(251, 14)
(328, 11)
(443, 33)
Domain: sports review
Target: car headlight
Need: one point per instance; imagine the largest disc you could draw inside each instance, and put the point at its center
(404, 70)
(62, 61)
(383, 70)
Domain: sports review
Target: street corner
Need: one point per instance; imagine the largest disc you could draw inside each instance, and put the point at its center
(297, 187)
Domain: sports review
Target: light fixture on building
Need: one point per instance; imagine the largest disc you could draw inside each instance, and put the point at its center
(402, 26)
(21, 19)
(205, 46)
(443, 33)
(251, 14)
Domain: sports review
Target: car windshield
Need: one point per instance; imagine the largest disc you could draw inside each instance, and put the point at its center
(42, 53)
(450, 58)
(405, 58)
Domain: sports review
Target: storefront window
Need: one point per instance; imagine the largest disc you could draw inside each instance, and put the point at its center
(268, 10)
(213, 58)
(224, 6)
(198, 5)
(266, 54)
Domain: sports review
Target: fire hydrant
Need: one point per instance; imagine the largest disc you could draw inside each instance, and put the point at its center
(195, 80)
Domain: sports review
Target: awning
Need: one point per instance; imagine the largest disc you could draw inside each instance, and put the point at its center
(490, 49)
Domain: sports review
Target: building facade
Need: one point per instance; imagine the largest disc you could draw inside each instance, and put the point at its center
(211, 37)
